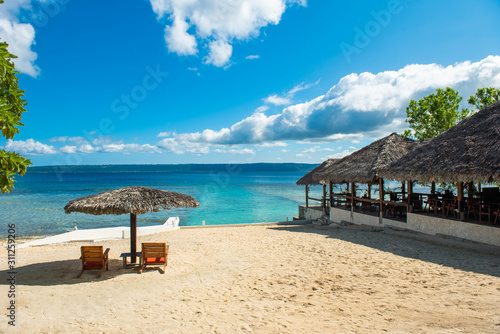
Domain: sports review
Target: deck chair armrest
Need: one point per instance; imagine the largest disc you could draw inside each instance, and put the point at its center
(105, 255)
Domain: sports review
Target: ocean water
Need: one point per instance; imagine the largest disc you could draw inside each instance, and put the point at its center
(228, 194)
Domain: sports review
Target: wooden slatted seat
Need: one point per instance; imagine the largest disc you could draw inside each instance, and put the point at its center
(474, 206)
(451, 206)
(93, 257)
(154, 254)
(496, 214)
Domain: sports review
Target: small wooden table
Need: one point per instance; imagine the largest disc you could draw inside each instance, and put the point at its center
(127, 255)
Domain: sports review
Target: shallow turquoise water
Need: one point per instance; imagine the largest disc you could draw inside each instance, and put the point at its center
(229, 196)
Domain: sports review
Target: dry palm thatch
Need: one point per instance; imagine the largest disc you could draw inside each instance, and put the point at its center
(468, 151)
(136, 200)
(363, 165)
(308, 178)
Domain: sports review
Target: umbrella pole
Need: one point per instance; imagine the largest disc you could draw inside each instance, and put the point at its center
(133, 237)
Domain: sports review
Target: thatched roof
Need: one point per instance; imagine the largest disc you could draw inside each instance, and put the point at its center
(308, 178)
(468, 151)
(136, 200)
(363, 165)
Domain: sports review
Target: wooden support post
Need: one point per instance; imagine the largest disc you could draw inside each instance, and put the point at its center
(460, 199)
(133, 237)
(369, 190)
(410, 192)
(381, 199)
(324, 199)
(433, 187)
(403, 190)
(331, 193)
(307, 196)
(353, 193)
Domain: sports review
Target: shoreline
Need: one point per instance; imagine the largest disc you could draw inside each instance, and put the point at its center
(441, 240)
(24, 239)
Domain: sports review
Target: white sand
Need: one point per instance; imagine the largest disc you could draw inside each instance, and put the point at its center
(283, 279)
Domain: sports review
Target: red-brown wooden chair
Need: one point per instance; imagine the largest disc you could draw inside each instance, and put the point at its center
(474, 206)
(496, 213)
(451, 206)
(154, 254)
(93, 257)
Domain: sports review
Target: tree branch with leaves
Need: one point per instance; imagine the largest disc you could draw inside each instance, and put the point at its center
(484, 97)
(434, 114)
(11, 109)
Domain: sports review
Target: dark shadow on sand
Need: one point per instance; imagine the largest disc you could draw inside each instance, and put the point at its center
(62, 273)
(450, 253)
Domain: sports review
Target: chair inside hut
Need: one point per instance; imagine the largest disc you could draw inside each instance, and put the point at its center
(490, 203)
(469, 204)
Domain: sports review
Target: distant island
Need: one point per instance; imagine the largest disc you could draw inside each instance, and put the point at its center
(176, 168)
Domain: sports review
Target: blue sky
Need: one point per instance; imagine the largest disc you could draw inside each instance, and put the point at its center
(224, 81)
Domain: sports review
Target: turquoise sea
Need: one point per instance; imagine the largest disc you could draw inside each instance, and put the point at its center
(227, 193)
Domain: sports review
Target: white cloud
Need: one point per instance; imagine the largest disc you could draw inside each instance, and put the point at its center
(251, 57)
(262, 109)
(287, 99)
(301, 87)
(29, 146)
(220, 53)
(182, 146)
(318, 148)
(339, 155)
(178, 39)
(236, 151)
(358, 106)
(104, 145)
(216, 22)
(129, 148)
(101, 140)
(163, 134)
(87, 148)
(77, 140)
(274, 144)
(312, 149)
(19, 36)
(277, 100)
(68, 149)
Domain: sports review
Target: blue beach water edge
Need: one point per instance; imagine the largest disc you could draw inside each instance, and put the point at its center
(227, 193)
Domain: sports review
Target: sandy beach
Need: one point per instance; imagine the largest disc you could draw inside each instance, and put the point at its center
(263, 279)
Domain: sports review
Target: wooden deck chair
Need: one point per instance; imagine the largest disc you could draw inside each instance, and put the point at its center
(93, 257)
(154, 254)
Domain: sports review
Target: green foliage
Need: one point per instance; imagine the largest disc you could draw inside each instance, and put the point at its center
(434, 114)
(11, 108)
(484, 97)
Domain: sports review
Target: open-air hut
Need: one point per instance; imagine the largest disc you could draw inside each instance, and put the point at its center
(467, 152)
(363, 166)
(307, 180)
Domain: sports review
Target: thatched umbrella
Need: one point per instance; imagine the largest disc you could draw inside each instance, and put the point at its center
(133, 200)
(307, 179)
(468, 151)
